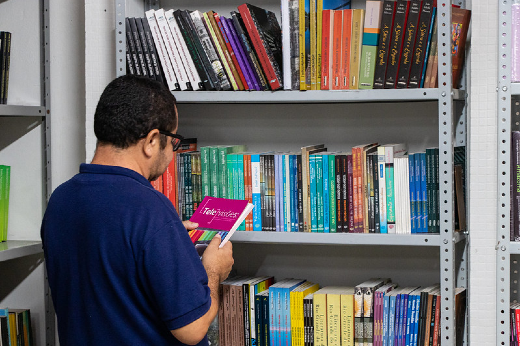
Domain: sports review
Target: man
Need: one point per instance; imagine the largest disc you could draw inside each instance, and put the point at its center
(121, 266)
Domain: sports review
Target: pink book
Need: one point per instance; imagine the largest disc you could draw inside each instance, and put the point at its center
(219, 216)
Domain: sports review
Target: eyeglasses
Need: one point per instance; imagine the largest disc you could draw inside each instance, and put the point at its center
(176, 139)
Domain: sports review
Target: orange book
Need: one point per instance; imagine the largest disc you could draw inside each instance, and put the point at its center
(459, 30)
(169, 182)
(337, 39)
(346, 47)
(326, 48)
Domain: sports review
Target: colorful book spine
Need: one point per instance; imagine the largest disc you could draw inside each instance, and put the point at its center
(319, 194)
(383, 48)
(257, 202)
(409, 43)
(382, 189)
(326, 48)
(326, 194)
(396, 43)
(358, 17)
(411, 170)
(312, 193)
(332, 194)
(421, 41)
(428, 46)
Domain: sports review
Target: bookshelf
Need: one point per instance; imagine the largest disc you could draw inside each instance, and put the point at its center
(287, 120)
(25, 145)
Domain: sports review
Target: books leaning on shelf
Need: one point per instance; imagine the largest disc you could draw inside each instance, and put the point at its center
(368, 188)
(5, 61)
(15, 327)
(5, 177)
(259, 311)
(220, 216)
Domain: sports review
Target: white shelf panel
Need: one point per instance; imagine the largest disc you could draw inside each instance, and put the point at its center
(515, 88)
(514, 248)
(313, 96)
(21, 111)
(340, 238)
(19, 248)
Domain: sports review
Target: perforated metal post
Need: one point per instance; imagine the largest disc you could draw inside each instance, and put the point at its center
(120, 38)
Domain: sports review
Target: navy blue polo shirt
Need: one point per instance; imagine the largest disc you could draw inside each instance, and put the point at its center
(121, 266)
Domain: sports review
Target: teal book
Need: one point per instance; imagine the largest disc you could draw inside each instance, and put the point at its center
(319, 193)
(213, 171)
(223, 151)
(230, 163)
(238, 177)
(205, 171)
(257, 200)
(332, 194)
(2, 204)
(326, 195)
(313, 190)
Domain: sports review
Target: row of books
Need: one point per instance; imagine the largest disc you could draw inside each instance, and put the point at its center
(5, 62)
(192, 50)
(15, 327)
(297, 312)
(369, 189)
(5, 177)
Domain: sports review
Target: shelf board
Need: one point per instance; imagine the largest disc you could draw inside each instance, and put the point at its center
(313, 96)
(341, 238)
(21, 111)
(514, 248)
(19, 248)
(515, 88)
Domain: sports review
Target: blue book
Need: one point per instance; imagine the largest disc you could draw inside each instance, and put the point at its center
(326, 195)
(386, 313)
(293, 193)
(312, 190)
(5, 313)
(241, 193)
(397, 319)
(424, 197)
(277, 191)
(391, 317)
(283, 213)
(285, 336)
(418, 204)
(255, 187)
(411, 175)
(319, 193)
(415, 314)
(409, 320)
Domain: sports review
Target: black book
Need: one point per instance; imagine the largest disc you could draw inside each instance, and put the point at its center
(345, 200)
(2, 70)
(263, 194)
(141, 37)
(157, 69)
(249, 50)
(133, 50)
(300, 193)
(383, 47)
(4, 330)
(377, 223)
(211, 75)
(408, 44)
(205, 76)
(129, 64)
(396, 44)
(6, 60)
(421, 43)
(138, 47)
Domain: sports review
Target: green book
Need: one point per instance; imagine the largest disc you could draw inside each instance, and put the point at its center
(214, 172)
(238, 178)
(3, 229)
(230, 163)
(368, 63)
(7, 188)
(319, 193)
(205, 168)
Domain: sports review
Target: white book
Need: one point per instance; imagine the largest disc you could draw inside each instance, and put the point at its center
(402, 193)
(205, 40)
(286, 44)
(193, 75)
(173, 52)
(169, 74)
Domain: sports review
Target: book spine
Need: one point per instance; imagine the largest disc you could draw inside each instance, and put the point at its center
(375, 179)
(424, 197)
(429, 189)
(268, 64)
(337, 49)
(304, 43)
(409, 43)
(428, 46)
(277, 193)
(396, 43)
(135, 65)
(326, 49)
(356, 193)
(171, 49)
(346, 49)
(382, 190)
(418, 57)
(189, 65)
(312, 193)
(220, 47)
(326, 195)
(418, 195)
(300, 194)
(339, 202)
(141, 39)
(169, 75)
(294, 44)
(332, 194)
(255, 179)
(358, 16)
(257, 339)
(249, 51)
(320, 319)
(348, 194)
(207, 45)
(205, 166)
(233, 51)
(313, 43)
(293, 197)
(319, 37)
(383, 47)
(319, 194)
(411, 172)
(432, 52)
(148, 38)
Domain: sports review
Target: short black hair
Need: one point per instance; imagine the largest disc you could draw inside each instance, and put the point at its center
(130, 107)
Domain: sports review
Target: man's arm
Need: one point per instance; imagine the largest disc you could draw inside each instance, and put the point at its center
(217, 262)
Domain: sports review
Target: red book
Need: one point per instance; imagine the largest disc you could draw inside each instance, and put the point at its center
(337, 38)
(326, 48)
(169, 181)
(231, 52)
(256, 21)
(346, 49)
(459, 31)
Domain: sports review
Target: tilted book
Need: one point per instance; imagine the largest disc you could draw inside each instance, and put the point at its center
(218, 216)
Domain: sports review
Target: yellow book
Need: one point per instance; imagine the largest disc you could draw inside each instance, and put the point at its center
(320, 315)
(347, 316)
(12, 328)
(314, 52)
(301, 36)
(358, 19)
(319, 27)
(334, 318)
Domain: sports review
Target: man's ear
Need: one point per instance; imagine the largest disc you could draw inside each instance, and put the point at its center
(152, 143)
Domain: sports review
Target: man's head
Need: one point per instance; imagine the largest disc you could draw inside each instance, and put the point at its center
(137, 117)
(130, 107)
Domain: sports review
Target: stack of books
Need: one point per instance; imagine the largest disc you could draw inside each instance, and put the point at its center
(258, 311)
(327, 46)
(368, 188)
(5, 61)
(15, 327)
(5, 177)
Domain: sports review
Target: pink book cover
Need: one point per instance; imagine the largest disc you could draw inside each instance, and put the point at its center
(218, 215)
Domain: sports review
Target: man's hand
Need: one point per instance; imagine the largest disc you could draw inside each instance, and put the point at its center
(218, 261)
(190, 225)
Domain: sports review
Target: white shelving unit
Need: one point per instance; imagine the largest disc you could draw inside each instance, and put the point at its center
(25, 146)
(287, 120)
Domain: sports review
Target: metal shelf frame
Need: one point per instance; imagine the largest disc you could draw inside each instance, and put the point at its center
(504, 247)
(12, 249)
(451, 130)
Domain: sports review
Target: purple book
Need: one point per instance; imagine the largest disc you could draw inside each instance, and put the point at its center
(234, 39)
(221, 214)
(350, 186)
(240, 58)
